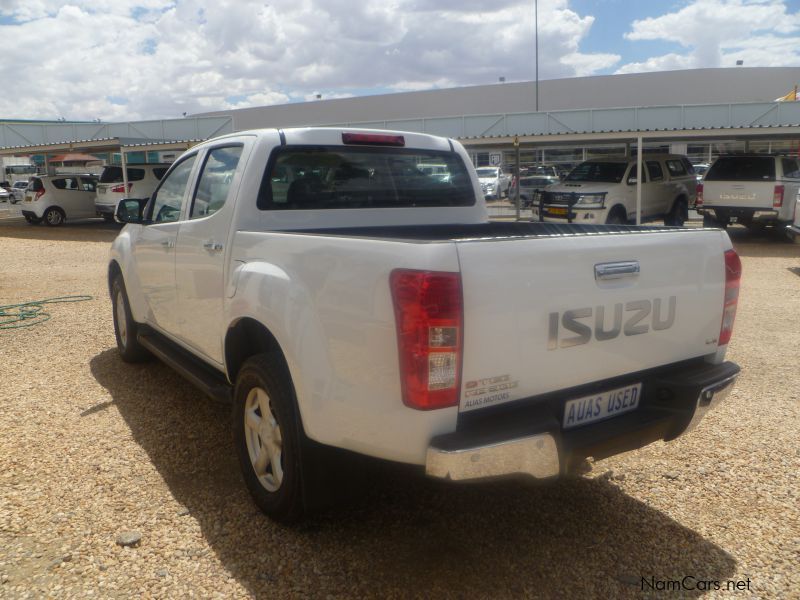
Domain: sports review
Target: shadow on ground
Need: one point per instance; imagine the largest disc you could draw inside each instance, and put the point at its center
(86, 230)
(769, 242)
(406, 535)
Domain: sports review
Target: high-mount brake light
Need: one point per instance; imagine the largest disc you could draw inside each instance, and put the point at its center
(373, 139)
(699, 200)
(777, 196)
(429, 315)
(733, 275)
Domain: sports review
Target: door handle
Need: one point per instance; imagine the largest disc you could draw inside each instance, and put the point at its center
(212, 246)
(618, 270)
(168, 244)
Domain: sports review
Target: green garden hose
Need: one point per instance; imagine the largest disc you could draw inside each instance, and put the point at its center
(28, 314)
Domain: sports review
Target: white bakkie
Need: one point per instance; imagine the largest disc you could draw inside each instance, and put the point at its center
(344, 298)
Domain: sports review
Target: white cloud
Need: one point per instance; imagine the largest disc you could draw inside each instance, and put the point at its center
(718, 32)
(79, 60)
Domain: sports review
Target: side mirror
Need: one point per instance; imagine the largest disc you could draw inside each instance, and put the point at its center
(130, 211)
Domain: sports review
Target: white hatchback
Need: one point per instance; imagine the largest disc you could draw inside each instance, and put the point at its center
(54, 199)
(142, 182)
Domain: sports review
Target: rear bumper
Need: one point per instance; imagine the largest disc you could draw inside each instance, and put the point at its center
(761, 215)
(31, 214)
(105, 209)
(529, 439)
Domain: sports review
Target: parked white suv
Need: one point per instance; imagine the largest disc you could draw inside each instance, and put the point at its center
(55, 199)
(142, 182)
(604, 191)
(494, 181)
(755, 190)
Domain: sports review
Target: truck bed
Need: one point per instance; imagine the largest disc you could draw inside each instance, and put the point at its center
(421, 234)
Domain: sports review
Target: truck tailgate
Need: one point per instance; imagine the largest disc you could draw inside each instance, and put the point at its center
(747, 194)
(543, 314)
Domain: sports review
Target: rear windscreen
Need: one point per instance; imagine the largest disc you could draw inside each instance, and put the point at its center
(336, 177)
(114, 175)
(742, 168)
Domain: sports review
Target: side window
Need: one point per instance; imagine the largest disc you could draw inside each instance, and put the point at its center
(632, 175)
(676, 168)
(654, 168)
(790, 168)
(88, 185)
(135, 174)
(159, 172)
(169, 196)
(215, 181)
(59, 184)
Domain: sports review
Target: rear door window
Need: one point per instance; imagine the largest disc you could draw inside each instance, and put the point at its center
(676, 167)
(88, 184)
(742, 168)
(341, 177)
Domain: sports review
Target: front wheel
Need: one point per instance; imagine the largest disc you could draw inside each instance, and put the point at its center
(678, 215)
(54, 216)
(712, 222)
(125, 328)
(267, 435)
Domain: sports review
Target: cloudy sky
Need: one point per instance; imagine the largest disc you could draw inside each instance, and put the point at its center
(138, 59)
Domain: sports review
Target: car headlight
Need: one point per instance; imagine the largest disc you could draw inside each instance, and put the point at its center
(591, 201)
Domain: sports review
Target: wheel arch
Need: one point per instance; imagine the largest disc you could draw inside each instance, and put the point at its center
(246, 337)
(113, 270)
(619, 208)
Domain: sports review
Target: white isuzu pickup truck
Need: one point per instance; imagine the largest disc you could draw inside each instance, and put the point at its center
(343, 298)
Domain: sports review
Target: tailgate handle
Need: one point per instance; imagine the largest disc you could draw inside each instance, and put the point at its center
(617, 270)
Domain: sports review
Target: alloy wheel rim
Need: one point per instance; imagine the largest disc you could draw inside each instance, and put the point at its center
(54, 217)
(263, 438)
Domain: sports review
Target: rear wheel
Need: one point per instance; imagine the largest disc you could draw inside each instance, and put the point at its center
(54, 216)
(267, 434)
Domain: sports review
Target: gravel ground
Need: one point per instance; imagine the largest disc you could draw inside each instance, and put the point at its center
(92, 448)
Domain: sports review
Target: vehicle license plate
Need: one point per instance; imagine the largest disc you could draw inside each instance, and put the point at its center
(604, 405)
(557, 211)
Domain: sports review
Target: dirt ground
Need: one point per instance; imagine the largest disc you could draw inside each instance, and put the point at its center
(91, 447)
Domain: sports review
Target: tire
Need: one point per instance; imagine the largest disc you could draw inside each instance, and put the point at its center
(108, 218)
(125, 328)
(32, 220)
(616, 217)
(677, 216)
(712, 222)
(54, 216)
(275, 481)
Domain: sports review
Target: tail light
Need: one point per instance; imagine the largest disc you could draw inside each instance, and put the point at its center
(699, 200)
(39, 193)
(777, 197)
(733, 274)
(428, 310)
(120, 189)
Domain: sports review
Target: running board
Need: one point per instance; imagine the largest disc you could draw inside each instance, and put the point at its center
(202, 376)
